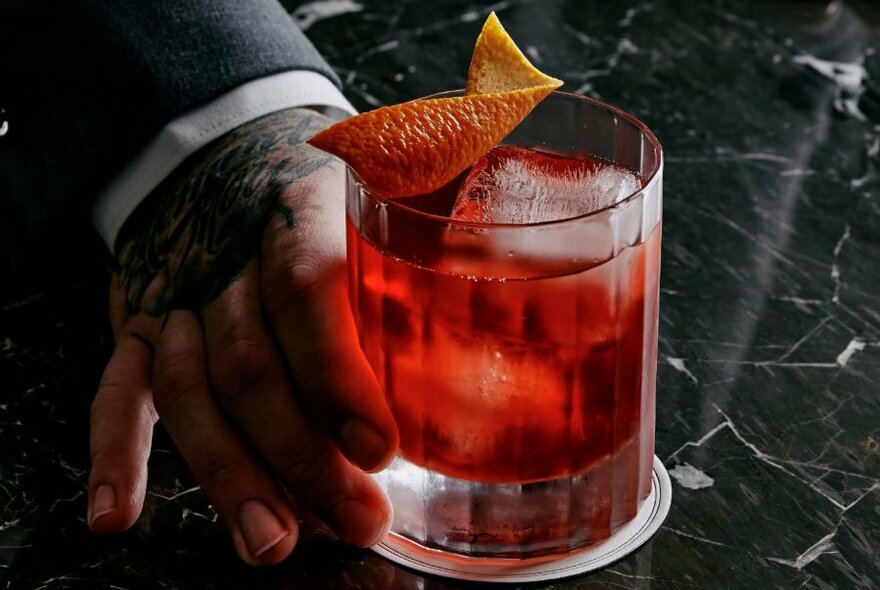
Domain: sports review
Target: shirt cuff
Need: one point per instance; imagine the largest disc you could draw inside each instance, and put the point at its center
(186, 134)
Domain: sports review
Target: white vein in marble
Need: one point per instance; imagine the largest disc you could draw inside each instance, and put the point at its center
(849, 78)
(855, 345)
(690, 477)
(310, 13)
(678, 365)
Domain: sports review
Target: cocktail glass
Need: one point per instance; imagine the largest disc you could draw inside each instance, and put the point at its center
(519, 361)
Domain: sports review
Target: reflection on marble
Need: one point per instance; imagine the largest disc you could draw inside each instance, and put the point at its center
(768, 404)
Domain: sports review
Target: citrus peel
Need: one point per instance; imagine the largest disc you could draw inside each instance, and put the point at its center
(416, 147)
(498, 65)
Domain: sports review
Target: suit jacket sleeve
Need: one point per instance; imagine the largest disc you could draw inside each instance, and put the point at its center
(85, 84)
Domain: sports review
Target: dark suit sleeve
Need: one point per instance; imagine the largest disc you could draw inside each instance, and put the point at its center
(85, 84)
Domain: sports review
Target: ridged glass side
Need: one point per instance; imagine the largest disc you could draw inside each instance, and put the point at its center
(613, 377)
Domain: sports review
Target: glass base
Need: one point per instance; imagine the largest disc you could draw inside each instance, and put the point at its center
(411, 546)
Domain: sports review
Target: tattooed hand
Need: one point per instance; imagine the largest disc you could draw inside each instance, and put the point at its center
(232, 326)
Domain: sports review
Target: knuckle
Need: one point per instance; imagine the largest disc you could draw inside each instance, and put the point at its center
(296, 281)
(104, 456)
(300, 268)
(303, 468)
(175, 380)
(113, 403)
(218, 474)
(110, 395)
(109, 402)
(321, 382)
(287, 298)
(242, 365)
(176, 372)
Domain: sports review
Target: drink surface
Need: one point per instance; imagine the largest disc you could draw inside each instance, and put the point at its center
(524, 378)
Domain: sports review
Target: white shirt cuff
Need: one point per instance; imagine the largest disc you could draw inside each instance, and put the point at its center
(186, 134)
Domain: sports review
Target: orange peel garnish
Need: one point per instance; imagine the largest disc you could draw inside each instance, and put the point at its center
(416, 147)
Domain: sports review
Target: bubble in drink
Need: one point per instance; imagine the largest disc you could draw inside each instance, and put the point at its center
(519, 185)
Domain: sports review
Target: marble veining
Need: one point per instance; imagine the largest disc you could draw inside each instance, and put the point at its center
(768, 403)
(309, 13)
(690, 477)
(849, 78)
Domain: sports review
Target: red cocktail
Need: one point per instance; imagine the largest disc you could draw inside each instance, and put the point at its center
(512, 319)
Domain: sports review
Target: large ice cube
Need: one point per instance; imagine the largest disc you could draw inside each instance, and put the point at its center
(519, 185)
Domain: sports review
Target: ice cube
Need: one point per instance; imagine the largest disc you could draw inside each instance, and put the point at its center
(519, 185)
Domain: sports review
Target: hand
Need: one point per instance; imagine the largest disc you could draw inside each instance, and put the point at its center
(232, 326)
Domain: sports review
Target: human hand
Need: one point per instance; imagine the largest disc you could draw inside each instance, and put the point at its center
(233, 327)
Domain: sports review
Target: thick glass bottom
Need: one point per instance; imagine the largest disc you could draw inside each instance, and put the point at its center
(402, 549)
(512, 520)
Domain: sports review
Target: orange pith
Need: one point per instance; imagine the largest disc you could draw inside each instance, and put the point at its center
(417, 147)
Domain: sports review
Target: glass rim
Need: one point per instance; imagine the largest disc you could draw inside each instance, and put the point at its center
(651, 180)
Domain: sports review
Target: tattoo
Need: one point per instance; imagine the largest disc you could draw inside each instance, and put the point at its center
(194, 235)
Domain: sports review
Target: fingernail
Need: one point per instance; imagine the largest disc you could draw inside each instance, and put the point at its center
(103, 503)
(360, 523)
(260, 527)
(363, 444)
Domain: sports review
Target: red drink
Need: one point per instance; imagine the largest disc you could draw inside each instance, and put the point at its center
(512, 319)
(519, 368)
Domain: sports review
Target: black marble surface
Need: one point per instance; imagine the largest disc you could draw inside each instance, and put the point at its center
(768, 397)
